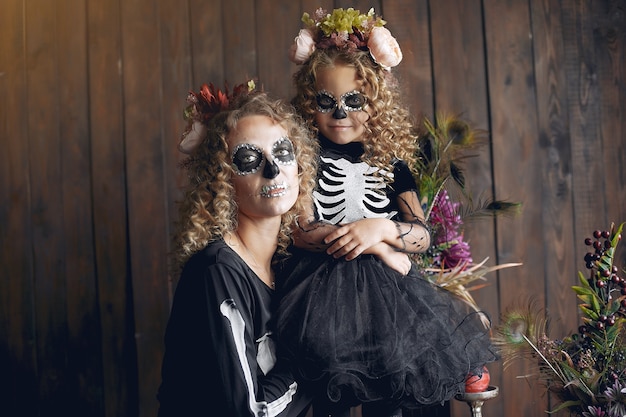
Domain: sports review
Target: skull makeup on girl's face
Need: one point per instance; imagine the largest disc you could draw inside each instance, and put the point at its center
(350, 101)
(340, 120)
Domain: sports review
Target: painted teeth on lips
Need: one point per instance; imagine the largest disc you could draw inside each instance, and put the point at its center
(274, 190)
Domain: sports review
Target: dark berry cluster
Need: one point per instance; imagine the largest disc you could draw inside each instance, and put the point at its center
(604, 277)
(606, 307)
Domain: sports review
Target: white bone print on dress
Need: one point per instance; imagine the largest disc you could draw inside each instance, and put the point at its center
(350, 191)
(238, 328)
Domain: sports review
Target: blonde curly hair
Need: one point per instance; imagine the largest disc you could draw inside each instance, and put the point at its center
(208, 210)
(389, 130)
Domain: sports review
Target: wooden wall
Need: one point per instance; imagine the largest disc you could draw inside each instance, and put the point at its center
(91, 94)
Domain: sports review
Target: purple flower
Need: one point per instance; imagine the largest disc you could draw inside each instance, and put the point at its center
(458, 253)
(448, 232)
(616, 394)
(594, 412)
(445, 218)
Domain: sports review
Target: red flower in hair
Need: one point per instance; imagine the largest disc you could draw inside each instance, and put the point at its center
(208, 102)
(202, 107)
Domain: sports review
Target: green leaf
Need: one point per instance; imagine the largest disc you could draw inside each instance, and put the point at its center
(582, 290)
(583, 281)
(595, 304)
(592, 314)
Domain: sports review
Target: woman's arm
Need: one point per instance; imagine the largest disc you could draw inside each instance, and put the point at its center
(211, 364)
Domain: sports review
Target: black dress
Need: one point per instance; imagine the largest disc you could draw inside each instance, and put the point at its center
(219, 352)
(360, 330)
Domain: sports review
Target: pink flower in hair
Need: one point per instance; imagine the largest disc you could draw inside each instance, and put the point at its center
(302, 48)
(383, 47)
(192, 137)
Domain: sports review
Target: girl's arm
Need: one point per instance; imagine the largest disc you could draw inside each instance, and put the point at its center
(409, 235)
(309, 233)
(312, 236)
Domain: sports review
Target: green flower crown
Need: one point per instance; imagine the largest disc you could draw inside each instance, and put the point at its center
(346, 29)
(342, 21)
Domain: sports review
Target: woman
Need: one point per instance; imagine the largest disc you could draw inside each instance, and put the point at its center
(249, 175)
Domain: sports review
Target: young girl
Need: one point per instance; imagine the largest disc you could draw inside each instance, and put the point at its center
(250, 170)
(357, 317)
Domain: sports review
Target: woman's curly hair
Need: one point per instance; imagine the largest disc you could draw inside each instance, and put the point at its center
(389, 130)
(208, 210)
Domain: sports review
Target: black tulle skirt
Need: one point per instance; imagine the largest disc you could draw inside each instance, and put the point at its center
(362, 332)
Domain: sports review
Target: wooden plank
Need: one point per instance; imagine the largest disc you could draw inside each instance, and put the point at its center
(239, 37)
(18, 381)
(614, 117)
(109, 205)
(84, 356)
(147, 213)
(609, 47)
(47, 206)
(176, 81)
(517, 175)
(583, 105)
(276, 25)
(460, 89)
(408, 22)
(207, 43)
(597, 138)
(554, 135)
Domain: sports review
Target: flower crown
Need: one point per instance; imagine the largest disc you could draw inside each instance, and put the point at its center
(202, 107)
(346, 29)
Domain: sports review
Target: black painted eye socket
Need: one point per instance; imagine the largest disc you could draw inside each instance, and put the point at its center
(353, 101)
(283, 151)
(325, 101)
(247, 159)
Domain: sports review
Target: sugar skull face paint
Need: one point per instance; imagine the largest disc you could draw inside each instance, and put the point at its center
(264, 167)
(350, 101)
(248, 158)
(332, 117)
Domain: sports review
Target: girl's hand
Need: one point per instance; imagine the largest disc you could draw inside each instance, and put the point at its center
(393, 259)
(358, 237)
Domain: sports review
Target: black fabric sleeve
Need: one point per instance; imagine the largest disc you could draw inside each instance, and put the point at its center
(403, 179)
(210, 365)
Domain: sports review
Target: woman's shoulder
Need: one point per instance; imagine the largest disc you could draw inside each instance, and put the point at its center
(217, 265)
(215, 253)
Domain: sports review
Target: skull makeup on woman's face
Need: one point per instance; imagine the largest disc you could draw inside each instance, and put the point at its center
(264, 162)
(248, 158)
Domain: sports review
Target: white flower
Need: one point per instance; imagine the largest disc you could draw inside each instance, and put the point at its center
(302, 48)
(384, 48)
(192, 137)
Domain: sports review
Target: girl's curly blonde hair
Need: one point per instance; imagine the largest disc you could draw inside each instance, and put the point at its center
(208, 210)
(389, 130)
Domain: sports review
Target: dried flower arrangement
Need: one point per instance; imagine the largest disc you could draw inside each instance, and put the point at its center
(586, 370)
(443, 147)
